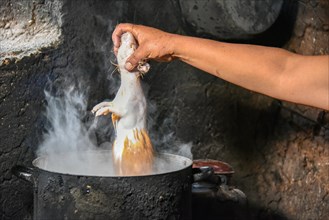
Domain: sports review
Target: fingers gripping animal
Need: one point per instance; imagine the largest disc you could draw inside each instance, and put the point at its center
(132, 148)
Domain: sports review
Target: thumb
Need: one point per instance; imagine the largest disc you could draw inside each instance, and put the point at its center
(133, 60)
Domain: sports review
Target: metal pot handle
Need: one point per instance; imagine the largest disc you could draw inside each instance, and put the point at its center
(23, 172)
(205, 173)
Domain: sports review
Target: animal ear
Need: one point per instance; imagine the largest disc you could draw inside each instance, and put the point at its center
(143, 67)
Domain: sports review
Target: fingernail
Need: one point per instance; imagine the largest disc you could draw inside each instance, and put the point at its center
(128, 66)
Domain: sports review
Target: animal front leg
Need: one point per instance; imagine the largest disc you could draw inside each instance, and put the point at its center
(105, 108)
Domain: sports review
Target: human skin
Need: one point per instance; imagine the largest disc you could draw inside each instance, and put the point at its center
(271, 71)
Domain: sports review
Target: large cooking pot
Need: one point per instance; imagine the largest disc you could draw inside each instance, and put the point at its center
(64, 189)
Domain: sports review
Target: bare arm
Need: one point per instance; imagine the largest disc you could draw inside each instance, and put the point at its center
(270, 71)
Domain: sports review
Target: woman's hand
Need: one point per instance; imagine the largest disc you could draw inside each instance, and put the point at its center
(271, 71)
(152, 44)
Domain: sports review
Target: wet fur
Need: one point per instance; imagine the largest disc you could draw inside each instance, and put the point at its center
(132, 148)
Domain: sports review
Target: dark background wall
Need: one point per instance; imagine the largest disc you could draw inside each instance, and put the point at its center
(279, 151)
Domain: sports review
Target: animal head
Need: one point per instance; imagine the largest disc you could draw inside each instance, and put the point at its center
(127, 47)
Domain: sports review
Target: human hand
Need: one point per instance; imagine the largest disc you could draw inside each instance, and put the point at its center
(153, 44)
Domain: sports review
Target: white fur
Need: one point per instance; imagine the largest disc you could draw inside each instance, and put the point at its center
(129, 103)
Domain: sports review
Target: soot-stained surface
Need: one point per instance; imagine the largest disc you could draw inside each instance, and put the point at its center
(164, 196)
(82, 57)
(278, 150)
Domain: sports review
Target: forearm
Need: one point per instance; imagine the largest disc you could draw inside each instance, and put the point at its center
(249, 66)
(270, 71)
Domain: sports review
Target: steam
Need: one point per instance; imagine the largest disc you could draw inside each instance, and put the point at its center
(65, 131)
(163, 136)
(70, 133)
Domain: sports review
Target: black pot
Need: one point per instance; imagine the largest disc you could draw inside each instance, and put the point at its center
(77, 194)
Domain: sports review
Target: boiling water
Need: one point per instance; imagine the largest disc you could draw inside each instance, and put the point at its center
(99, 163)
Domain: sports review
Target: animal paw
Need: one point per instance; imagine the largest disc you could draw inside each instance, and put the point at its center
(102, 108)
(143, 67)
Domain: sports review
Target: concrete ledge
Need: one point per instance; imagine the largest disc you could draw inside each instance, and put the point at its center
(27, 27)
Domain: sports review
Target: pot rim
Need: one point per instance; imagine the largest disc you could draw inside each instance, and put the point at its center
(187, 165)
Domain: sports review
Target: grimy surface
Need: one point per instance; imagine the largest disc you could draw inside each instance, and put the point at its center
(278, 150)
(163, 196)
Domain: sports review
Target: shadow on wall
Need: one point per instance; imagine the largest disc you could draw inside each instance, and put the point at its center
(281, 31)
(274, 27)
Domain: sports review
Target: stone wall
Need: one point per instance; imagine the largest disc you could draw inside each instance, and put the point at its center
(279, 150)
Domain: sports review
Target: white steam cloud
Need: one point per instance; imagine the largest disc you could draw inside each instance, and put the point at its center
(66, 132)
(163, 136)
(71, 130)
